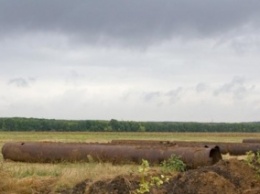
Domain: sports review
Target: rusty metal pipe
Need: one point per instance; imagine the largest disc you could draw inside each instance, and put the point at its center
(251, 141)
(140, 142)
(71, 152)
(235, 149)
(225, 147)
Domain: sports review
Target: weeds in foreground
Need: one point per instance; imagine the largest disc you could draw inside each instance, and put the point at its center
(173, 164)
(253, 160)
(147, 181)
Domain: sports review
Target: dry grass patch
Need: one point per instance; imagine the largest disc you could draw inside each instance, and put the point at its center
(73, 173)
(23, 178)
(19, 180)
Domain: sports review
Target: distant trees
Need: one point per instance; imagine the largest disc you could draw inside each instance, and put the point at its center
(34, 124)
(115, 125)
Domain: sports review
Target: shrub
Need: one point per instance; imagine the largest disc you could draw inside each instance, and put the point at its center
(174, 163)
(147, 180)
(253, 160)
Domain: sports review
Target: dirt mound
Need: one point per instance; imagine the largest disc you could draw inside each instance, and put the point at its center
(225, 177)
(230, 177)
(119, 185)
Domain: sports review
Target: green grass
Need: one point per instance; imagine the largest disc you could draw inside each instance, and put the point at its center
(108, 136)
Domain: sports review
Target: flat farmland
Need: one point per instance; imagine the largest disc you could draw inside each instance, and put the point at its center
(108, 136)
(60, 177)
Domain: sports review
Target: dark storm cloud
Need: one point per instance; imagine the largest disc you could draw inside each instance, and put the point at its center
(127, 21)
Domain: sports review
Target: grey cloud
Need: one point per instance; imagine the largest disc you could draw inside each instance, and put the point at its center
(21, 82)
(73, 76)
(201, 87)
(174, 95)
(149, 96)
(158, 96)
(131, 21)
(237, 87)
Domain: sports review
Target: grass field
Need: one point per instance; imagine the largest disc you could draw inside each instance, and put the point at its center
(36, 178)
(108, 136)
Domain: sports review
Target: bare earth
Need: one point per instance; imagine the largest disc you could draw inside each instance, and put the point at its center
(226, 177)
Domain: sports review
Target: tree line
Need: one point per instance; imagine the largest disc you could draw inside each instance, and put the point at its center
(35, 124)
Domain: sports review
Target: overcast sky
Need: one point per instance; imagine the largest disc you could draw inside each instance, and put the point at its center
(143, 60)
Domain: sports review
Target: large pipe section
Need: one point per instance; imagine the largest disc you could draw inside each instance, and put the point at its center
(72, 152)
(251, 141)
(225, 147)
(234, 149)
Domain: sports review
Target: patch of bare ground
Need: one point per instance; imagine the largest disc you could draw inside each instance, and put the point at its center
(231, 177)
(226, 177)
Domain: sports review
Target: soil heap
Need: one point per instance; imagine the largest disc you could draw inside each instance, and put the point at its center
(226, 177)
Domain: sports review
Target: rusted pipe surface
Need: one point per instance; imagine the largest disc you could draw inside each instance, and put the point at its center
(140, 142)
(225, 147)
(251, 141)
(71, 152)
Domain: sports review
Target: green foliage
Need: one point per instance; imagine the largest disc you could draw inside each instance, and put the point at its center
(34, 124)
(250, 158)
(174, 163)
(142, 129)
(148, 181)
(253, 160)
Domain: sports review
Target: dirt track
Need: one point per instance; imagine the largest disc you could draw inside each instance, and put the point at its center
(225, 177)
